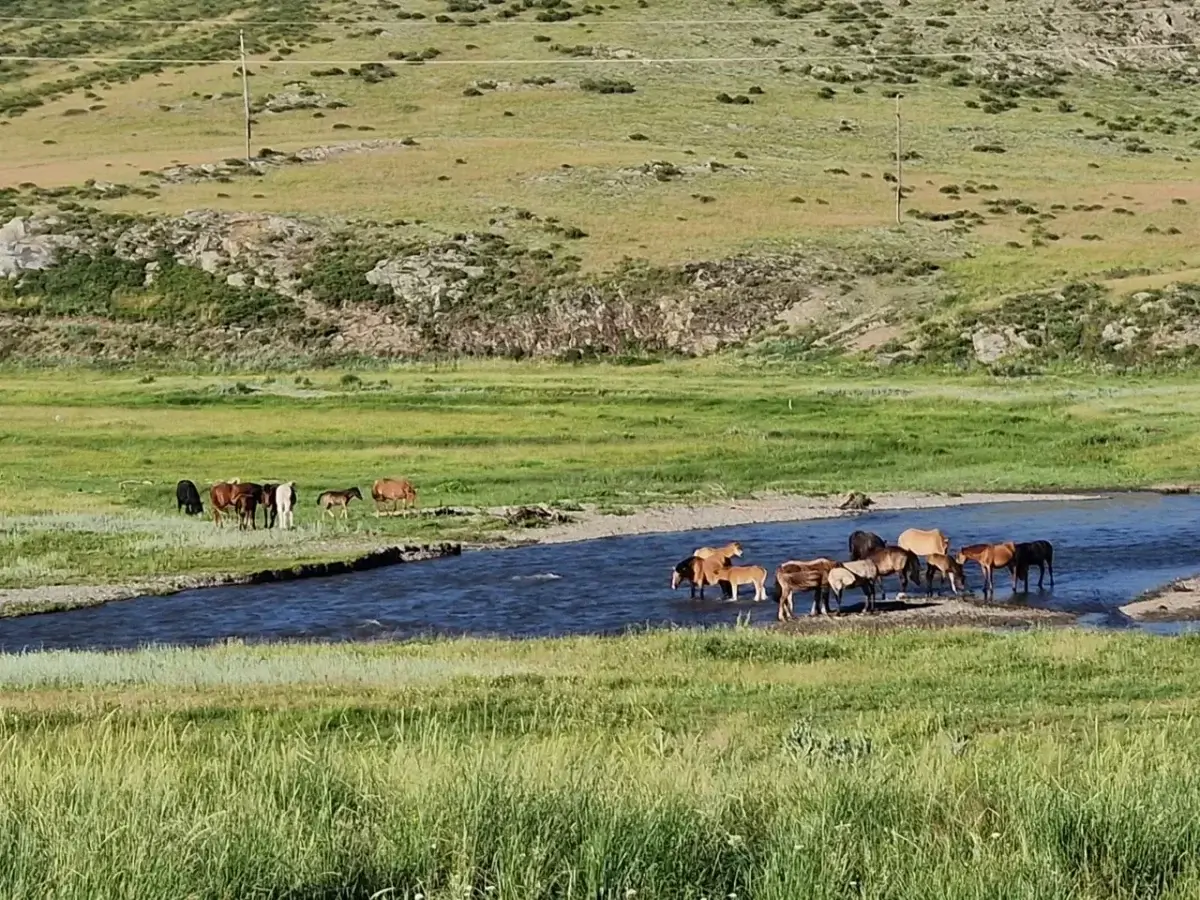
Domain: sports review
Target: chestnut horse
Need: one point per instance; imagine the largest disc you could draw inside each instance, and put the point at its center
(394, 491)
(896, 561)
(991, 557)
(728, 552)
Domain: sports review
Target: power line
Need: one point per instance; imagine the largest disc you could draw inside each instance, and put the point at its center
(775, 21)
(863, 57)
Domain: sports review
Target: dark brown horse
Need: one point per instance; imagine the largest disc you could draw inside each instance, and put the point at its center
(862, 543)
(1035, 553)
(331, 499)
(266, 500)
(699, 573)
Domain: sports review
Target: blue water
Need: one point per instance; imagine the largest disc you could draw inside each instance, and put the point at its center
(1107, 551)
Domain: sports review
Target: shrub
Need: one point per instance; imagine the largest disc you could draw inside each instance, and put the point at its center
(606, 86)
(988, 148)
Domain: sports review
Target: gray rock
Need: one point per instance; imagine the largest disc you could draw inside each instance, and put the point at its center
(23, 246)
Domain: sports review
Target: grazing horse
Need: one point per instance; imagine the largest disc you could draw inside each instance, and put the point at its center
(862, 543)
(1035, 553)
(802, 575)
(393, 491)
(244, 498)
(726, 553)
(736, 576)
(924, 543)
(220, 497)
(285, 504)
(896, 561)
(991, 557)
(861, 572)
(329, 499)
(188, 498)
(266, 499)
(699, 573)
(947, 567)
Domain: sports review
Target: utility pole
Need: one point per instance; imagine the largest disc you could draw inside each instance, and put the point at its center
(246, 92)
(899, 161)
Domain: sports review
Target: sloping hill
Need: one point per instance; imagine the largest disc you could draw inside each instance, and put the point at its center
(525, 150)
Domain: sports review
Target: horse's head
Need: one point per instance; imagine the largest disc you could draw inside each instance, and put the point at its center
(355, 492)
(675, 579)
(735, 549)
(961, 558)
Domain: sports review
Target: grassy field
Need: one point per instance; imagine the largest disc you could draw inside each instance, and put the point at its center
(685, 765)
(90, 463)
(503, 119)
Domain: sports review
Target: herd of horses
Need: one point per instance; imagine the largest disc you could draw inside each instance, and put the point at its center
(244, 499)
(871, 559)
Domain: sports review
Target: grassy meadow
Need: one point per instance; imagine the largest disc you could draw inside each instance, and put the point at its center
(729, 764)
(90, 463)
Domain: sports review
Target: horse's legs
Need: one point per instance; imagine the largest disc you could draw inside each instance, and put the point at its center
(1050, 564)
(1041, 573)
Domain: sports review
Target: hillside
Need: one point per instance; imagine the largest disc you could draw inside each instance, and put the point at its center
(548, 178)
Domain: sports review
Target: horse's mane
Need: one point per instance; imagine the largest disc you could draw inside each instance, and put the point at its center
(684, 566)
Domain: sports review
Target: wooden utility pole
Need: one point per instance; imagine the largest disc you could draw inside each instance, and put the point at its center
(245, 91)
(899, 162)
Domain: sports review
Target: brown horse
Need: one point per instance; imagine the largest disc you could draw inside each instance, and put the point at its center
(923, 543)
(896, 561)
(330, 499)
(246, 504)
(266, 499)
(991, 557)
(736, 576)
(860, 572)
(1035, 553)
(699, 573)
(947, 567)
(394, 491)
(220, 497)
(802, 575)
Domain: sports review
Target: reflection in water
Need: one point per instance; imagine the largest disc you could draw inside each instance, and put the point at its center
(1106, 552)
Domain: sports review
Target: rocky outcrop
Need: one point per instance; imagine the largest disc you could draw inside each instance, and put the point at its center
(30, 244)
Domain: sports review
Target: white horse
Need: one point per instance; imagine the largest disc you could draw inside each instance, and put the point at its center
(285, 503)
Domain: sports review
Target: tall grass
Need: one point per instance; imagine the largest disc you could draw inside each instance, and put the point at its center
(652, 766)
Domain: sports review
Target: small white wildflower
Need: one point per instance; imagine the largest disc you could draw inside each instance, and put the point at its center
(489, 889)
(630, 892)
(995, 834)
(418, 897)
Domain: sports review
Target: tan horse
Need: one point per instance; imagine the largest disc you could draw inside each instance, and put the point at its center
(924, 543)
(394, 491)
(861, 572)
(802, 575)
(700, 573)
(948, 568)
(728, 552)
(739, 575)
(991, 557)
(328, 500)
(896, 561)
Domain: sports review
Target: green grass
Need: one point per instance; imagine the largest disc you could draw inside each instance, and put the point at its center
(91, 463)
(684, 765)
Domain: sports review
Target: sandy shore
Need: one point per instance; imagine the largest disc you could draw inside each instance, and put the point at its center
(1178, 601)
(762, 508)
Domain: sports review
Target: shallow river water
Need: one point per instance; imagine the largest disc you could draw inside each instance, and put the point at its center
(1106, 552)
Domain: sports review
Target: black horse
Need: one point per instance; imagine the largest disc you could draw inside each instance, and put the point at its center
(864, 543)
(188, 498)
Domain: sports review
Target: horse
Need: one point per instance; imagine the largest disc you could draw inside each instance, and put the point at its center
(947, 567)
(246, 504)
(285, 504)
(393, 491)
(728, 552)
(1037, 553)
(220, 497)
(736, 576)
(923, 543)
(896, 561)
(329, 499)
(861, 572)
(991, 557)
(802, 575)
(188, 498)
(266, 499)
(697, 572)
(862, 543)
